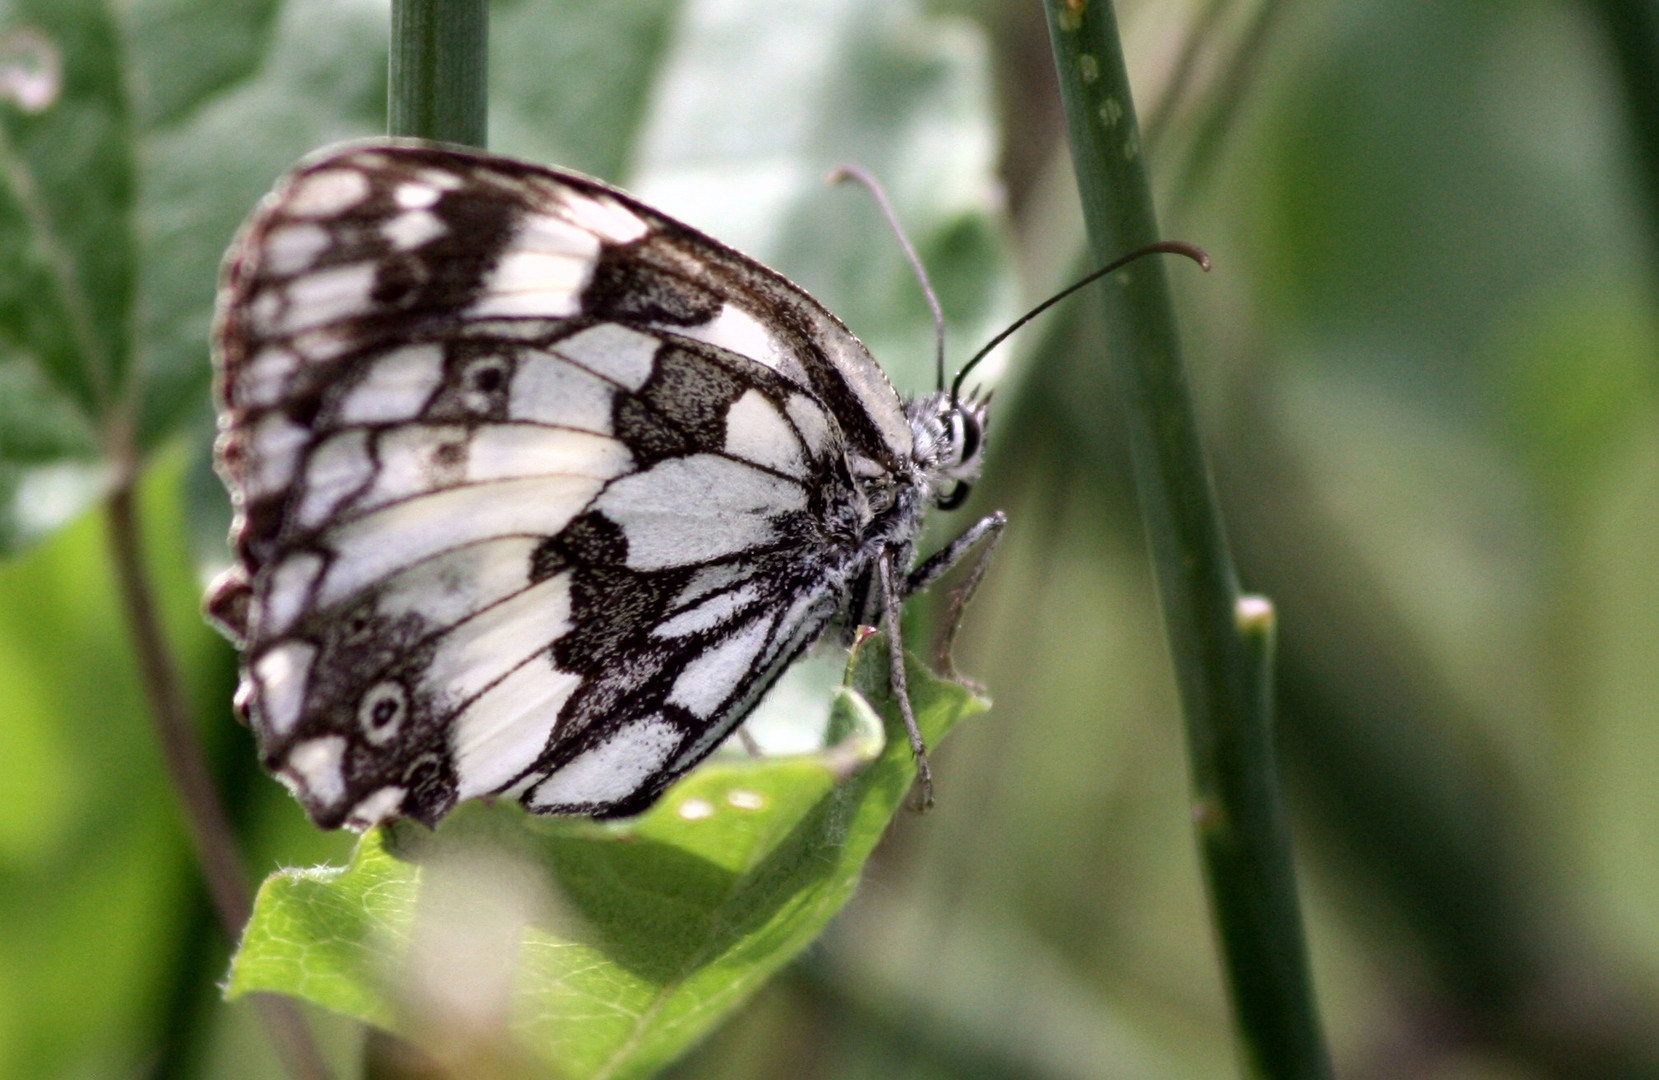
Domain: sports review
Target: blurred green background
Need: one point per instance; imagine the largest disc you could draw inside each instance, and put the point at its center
(1428, 366)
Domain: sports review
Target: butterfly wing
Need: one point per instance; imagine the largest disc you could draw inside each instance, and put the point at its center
(537, 489)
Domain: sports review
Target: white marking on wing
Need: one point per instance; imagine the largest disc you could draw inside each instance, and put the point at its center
(502, 733)
(603, 216)
(443, 181)
(740, 332)
(555, 236)
(367, 160)
(263, 309)
(710, 680)
(612, 770)
(408, 463)
(866, 468)
(616, 352)
(550, 390)
(396, 387)
(315, 763)
(697, 509)
(286, 591)
(802, 622)
(778, 634)
(541, 272)
(534, 284)
(325, 296)
(757, 432)
(507, 450)
(336, 469)
(276, 452)
(265, 379)
(478, 652)
(282, 673)
(384, 803)
(410, 466)
(373, 546)
(323, 343)
(813, 425)
(415, 196)
(411, 229)
(708, 614)
(709, 579)
(504, 329)
(326, 193)
(459, 583)
(293, 246)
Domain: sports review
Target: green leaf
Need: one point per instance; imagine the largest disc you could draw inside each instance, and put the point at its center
(67, 259)
(187, 52)
(598, 949)
(47, 451)
(320, 78)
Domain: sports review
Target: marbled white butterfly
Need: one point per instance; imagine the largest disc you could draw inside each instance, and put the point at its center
(537, 490)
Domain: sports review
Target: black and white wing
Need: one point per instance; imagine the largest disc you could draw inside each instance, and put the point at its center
(537, 490)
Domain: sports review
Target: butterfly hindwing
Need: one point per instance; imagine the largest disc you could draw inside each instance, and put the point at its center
(537, 489)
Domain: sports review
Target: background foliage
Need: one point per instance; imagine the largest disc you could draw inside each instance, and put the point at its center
(1427, 368)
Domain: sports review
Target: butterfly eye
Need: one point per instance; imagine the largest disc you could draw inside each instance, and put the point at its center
(973, 433)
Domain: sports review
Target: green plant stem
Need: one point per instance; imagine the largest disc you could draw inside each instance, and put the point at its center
(1221, 650)
(437, 88)
(439, 70)
(217, 851)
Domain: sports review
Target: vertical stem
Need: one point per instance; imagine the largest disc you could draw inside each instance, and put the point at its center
(1221, 665)
(181, 749)
(1245, 842)
(217, 851)
(439, 71)
(437, 89)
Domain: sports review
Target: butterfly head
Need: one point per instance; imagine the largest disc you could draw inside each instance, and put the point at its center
(950, 443)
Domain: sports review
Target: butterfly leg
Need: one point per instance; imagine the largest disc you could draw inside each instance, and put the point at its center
(988, 530)
(935, 566)
(893, 607)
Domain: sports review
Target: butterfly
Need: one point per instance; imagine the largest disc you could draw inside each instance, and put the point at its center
(537, 491)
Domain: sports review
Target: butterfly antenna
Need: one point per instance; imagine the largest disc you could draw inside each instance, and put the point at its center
(853, 172)
(1167, 247)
